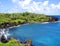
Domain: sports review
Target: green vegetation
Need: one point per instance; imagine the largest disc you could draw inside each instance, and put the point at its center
(21, 18)
(12, 42)
(25, 17)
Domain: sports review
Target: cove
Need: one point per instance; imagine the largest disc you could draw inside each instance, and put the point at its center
(40, 34)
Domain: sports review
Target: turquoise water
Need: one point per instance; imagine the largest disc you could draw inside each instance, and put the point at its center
(40, 34)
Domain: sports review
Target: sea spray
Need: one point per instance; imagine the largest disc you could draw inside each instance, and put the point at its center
(4, 32)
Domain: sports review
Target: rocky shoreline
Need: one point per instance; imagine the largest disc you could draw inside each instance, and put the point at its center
(28, 42)
(9, 24)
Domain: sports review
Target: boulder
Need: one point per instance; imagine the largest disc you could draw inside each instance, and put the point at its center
(3, 39)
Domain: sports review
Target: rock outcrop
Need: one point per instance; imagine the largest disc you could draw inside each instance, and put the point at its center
(3, 39)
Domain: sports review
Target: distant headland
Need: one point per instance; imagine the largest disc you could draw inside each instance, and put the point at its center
(14, 19)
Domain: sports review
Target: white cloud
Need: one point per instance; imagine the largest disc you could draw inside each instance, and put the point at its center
(26, 2)
(41, 7)
(45, 3)
(58, 5)
(22, 2)
(53, 6)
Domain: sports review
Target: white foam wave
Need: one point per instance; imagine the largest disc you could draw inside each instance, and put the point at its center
(4, 32)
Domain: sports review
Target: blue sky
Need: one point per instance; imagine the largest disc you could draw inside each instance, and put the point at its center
(49, 7)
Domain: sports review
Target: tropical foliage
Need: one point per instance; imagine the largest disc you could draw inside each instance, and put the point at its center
(23, 17)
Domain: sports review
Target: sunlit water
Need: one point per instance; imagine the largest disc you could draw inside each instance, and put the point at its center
(40, 34)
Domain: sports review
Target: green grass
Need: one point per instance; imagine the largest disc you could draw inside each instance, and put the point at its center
(12, 42)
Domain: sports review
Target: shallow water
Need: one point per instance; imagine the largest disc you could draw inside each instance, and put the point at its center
(40, 34)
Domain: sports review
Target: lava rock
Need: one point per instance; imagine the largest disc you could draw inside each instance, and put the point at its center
(3, 39)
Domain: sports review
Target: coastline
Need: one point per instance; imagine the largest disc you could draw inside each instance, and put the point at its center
(19, 24)
(33, 23)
